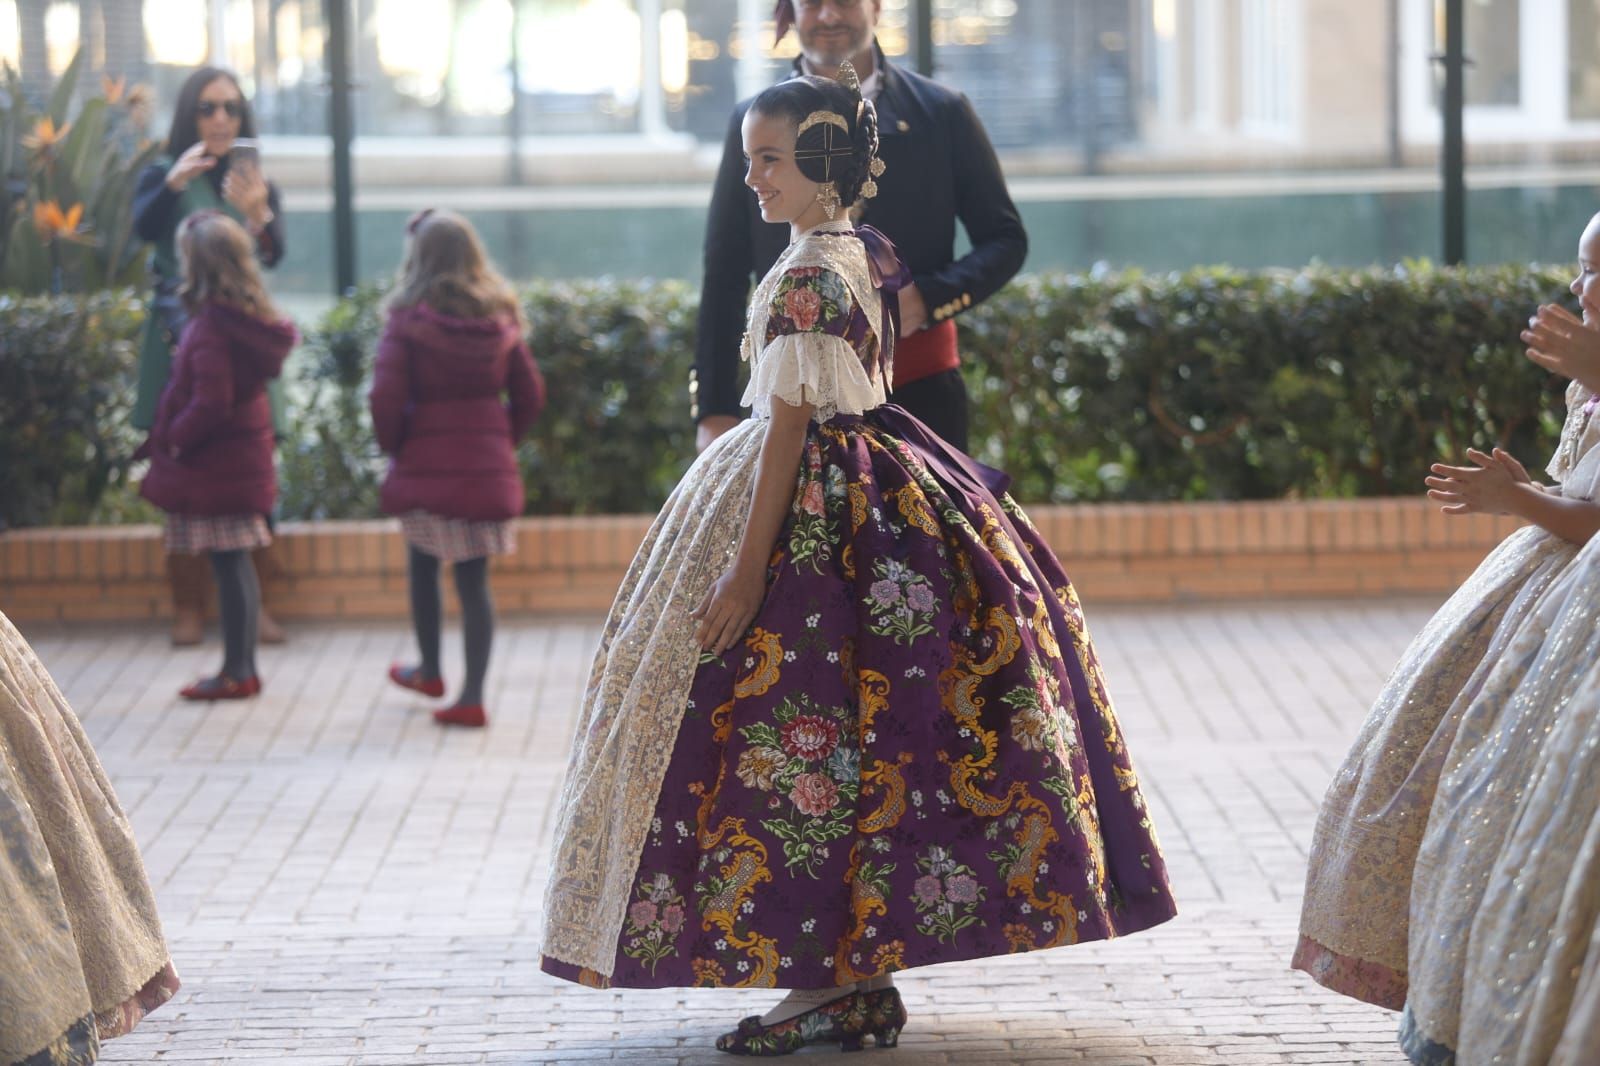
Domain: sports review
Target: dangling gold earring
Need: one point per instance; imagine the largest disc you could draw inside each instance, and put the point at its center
(828, 197)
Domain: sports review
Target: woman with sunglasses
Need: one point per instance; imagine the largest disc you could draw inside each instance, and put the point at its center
(199, 171)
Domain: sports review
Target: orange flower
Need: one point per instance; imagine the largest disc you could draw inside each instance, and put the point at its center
(52, 222)
(45, 136)
(707, 974)
(140, 102)
(889, 957)
(113, 88)
(1019, 936)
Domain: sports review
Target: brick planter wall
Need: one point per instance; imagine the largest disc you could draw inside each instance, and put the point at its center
(1125, 553)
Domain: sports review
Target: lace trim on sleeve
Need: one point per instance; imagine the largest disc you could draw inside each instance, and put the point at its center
(814, 368)
(1579, 436)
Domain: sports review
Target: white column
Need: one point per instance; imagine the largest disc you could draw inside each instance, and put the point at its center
(652, 100)
(1546, 102)
(1207, 40)
(750, 77)
(217, 23)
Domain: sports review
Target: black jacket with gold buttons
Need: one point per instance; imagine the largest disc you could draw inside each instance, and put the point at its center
(940, 168)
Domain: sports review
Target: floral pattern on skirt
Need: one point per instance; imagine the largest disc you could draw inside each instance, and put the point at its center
(911, 758)
(78, 1046)
(194, 534)
(455, 540)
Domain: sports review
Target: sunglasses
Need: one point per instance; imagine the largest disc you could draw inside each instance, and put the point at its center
(207, 108)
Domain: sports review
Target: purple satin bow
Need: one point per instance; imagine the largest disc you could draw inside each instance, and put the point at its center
(889, 275)
(888, 272)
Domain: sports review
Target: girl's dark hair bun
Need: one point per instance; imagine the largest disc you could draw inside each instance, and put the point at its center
(823, 151)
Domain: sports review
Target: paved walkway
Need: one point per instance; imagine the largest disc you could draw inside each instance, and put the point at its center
(344, 883)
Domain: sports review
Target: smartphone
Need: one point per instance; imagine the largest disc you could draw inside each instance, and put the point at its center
(246, 152)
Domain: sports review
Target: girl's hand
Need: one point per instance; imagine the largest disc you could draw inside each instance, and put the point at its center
(1512, 466)
(1560, 342)
(246, 189)
(1491, 487)
(727, 610)
(192, 163)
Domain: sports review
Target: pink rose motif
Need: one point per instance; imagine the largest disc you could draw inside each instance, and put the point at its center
(812, 502)
(672, 919)
(885, 592)
(642, 913)
(926, 889)
(814, 794)
(920, 597)
(961, 889)
(810, 737)
(803, 306)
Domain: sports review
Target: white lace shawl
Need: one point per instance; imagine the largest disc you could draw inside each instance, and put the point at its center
(814, 367)
(1576, 464)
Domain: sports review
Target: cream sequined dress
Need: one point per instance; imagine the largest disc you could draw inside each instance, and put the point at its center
(1504, 954)
(81, 953)
(1355, 917)
(910, 757)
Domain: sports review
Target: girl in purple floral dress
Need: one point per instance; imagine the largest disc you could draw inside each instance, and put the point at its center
(845, 718)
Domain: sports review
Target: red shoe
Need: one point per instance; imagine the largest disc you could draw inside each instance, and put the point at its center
(221, 687)
(467, 714)
(411, 677)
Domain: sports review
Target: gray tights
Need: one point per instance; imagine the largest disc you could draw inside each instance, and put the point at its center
(239, 597)
(477, 618)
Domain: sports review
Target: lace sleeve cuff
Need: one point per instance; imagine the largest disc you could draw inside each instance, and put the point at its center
(814, 368)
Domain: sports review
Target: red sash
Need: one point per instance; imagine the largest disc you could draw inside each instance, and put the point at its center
(925, 353)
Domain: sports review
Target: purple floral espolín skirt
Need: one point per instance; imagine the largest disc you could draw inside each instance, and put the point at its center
(910, 759)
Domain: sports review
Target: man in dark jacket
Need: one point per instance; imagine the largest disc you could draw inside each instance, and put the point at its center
(941, 168)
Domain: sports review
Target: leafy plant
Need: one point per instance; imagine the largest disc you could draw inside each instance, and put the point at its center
(67, 367)
(66, 224)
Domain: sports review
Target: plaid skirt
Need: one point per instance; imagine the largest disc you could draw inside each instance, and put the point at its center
(455, 540)
(196, 534)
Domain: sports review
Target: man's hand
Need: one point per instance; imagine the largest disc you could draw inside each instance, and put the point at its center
(711, 427)
(913, 311)
(1559, 341)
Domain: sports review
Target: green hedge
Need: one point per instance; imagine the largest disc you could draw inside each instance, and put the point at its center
(1211, 384)
(67, 369)
(1224, 384)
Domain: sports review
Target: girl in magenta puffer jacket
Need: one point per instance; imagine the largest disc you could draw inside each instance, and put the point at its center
(210, 447)
(454, 389)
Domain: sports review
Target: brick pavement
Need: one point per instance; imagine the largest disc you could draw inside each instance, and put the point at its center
(344, 883)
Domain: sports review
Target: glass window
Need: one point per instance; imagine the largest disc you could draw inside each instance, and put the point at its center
(570, 83)
(1271, 51)
(1041, 72)
(1583, 58)
(1493, 39)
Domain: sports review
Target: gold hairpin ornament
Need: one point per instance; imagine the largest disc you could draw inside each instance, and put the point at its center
(875, 169)
(816, 118)
(848, 78)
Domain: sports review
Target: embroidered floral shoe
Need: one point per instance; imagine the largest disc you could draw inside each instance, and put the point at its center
(221, 687)
(846, 1019)
(411, 677)
(881, 1014)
